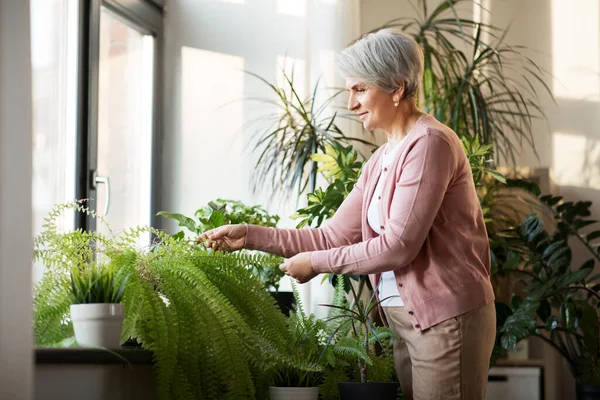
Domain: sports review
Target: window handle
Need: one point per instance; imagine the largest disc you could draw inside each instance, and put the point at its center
(106, 182)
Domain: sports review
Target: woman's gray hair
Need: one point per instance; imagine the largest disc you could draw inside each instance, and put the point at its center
(387, 59)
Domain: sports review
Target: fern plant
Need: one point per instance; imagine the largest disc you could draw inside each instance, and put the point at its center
(222, 212)
(306, 345)
(213, 330)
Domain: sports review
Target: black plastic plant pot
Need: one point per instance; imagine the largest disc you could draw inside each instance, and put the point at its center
(285, 301)
(368, 390)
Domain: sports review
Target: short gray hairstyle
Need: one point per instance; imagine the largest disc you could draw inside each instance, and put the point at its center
(387, 59)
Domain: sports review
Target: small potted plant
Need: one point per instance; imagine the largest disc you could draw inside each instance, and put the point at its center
(96, 309)
(362, 367)
(299, 375)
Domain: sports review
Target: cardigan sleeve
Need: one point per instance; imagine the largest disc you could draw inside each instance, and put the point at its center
(343, 229)
(418, 194)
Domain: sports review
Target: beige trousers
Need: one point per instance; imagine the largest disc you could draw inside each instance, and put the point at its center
(448, 361)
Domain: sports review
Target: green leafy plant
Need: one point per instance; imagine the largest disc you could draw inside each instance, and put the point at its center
(306, 346)
(97, 284)
(212, 328)
(556, 303)
(362, 350)
(223, 212)
(286, 140)
(467, 83)
(340, 165)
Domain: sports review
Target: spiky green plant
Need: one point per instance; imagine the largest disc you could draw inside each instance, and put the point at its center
(213, 330)
(469, 81)
(286, 139)
(97, 284)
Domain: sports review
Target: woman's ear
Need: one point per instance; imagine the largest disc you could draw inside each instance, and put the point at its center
(399, 93)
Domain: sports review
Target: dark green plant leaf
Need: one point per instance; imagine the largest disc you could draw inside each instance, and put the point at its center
(569, 316)
(544, 311)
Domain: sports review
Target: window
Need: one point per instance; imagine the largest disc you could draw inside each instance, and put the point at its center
(94, 109)
(54, 57)
(125, 125)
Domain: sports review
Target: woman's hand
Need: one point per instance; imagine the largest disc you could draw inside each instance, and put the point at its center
(299, 267)
(225, 238)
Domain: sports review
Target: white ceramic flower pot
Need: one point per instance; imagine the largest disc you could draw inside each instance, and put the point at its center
(294, 393)
(98, 325)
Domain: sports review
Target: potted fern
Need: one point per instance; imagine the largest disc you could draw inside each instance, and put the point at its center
(211, 327)
(299, 377)
(362, 367)
(96, 309)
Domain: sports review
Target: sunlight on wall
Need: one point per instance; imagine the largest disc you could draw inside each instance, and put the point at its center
(332, 2)
(210, 162)
(234, 1)
(327, 68)
(296, 8)
(576, 49)
(575, 161)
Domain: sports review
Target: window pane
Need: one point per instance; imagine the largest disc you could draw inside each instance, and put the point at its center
(125, 123)
(54, 62)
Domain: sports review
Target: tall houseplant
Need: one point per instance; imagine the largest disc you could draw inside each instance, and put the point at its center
(556, 302)
(466, 81)
(286, 139)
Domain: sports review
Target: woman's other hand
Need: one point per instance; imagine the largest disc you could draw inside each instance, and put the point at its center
(299, 267)
(224, 238)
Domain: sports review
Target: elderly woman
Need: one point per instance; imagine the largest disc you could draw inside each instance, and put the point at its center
(412, 223)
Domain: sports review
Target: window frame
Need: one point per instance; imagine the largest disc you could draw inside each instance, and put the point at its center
(147, 17)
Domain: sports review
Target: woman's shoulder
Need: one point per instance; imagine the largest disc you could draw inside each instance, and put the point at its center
(429, 126)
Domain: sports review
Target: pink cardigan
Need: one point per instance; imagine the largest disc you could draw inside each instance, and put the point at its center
(434, 237)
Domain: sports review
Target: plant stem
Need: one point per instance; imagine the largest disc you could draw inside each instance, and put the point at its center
(573, 288)
(559, 329)
(558, 348)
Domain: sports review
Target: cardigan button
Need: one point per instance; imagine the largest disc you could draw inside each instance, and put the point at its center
(382, 227)
(378, 197)
(417, 326)
(411, 313)
(400, 285)
(385, 169)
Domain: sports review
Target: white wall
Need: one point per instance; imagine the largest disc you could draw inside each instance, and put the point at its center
(207, 125)
(16, 359)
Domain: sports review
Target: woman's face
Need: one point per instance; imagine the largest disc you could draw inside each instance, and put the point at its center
(374, 107)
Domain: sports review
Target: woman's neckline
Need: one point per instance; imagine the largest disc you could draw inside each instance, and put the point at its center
(389, 149)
